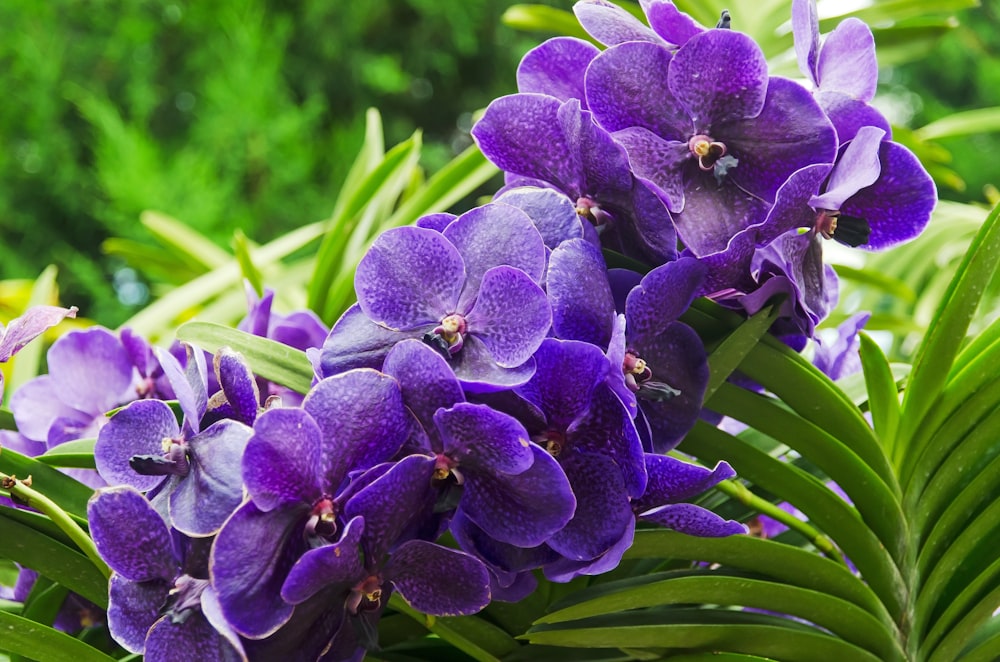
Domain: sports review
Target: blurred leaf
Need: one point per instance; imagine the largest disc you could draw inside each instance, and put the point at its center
(241, 248)
(36, 641)
(271, 360)
(540, 18)
(183, 242)
(970, 122)
(77, 454)
(894, 286)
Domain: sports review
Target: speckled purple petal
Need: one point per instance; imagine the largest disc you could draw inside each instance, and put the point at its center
(672, 480)
(898, 206)
(669, 22)
(214, 488)
(849, 115)
(301, 329)
(627, 86)
(610, 24)
(556, 68)
(132, 538)
(478, 436)
(478, 371)
(191, 640)
(791, 204)
(577, 283)
(282, 459)
(250, 559)
(805, 28)
(858, 166)
(357, 342)
(553, 214)
(712, 215)
(676, 357)
(719, 76)
(36, 406)
(511, 316)
(494, 235)
(566, 373)
(523, 509)
(608, 430)
(436, 222)
(212, 611)
(790, 133)
(503, 558)
(602, 507)
(661, 163)
(847, 61)
(427, 382)
(362, 418)
(238, 383)
(188, 383)
(563, 570)
(693, 520)
(133, 607)
(138, 429)
(653, 224)
(33, 323)
(438, 581)
(338, 563)
(664, 294)
(409, 277)
(90, 370)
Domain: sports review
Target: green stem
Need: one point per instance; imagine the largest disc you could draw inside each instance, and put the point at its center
(742, 494)
(21, 492)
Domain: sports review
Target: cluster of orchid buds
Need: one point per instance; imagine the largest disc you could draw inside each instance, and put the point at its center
(498, 405)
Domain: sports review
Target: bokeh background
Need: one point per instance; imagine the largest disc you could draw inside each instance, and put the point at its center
(247, 114)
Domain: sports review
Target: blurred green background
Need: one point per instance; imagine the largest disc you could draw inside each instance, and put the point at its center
(247, 114)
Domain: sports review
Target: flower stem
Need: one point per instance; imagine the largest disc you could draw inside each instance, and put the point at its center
(20, 491)
(742, 494)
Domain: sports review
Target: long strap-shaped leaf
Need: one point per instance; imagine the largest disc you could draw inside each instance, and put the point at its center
(966, 612)
(39, 642)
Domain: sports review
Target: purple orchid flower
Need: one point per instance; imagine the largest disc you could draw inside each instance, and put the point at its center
(470, 291)
(160, 601)
(843, 71)
(840, 357)
(192, 473)
(295, 469)
(708, 129)
(22, 330)
(611, 25)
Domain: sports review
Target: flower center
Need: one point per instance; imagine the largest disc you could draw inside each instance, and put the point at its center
(448, 336)
(712, 156)
(591, 210)
(366, 595)
(639, 379)
(848, 230)
(444, 466)
(185, 597)
(173, 462)
(553, 441)
(322, 522)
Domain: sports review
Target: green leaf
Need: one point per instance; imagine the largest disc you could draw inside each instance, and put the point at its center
(964, 614)
(53, 559)
(877, 279)
(38, 642)
(984, 646)
(883, 396)
(728, 355)
(241, 248)
(370, 155)
(539, 18)
(42, 605)
(945, 335)
(78, 454)
(270, 359)
(480, 640)
(969, 122)
(7, 421)
(69, 494)
(184, 243)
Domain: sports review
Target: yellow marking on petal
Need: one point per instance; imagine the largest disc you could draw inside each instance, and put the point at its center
(524, 442)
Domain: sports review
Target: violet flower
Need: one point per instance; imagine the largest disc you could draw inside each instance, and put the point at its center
(22, 330)
(840, 357)
(160, 601)
(611, 25)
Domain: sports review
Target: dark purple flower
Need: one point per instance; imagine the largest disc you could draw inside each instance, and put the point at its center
(708, 128)
(470, 291)
(557, 68)
(295, 469)
(161, 603)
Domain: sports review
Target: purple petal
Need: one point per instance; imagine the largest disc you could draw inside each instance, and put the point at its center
(188, 383)
(661, 163)
(356, 342)
(478, 371)
(577, 283)
(427, 383)
(282, 459)
(502, 558)
(339, 563)
(556, 68)
(250, 559)
(563, 570)
(669, 22)
(409, 277)
(238, 383)
(898, 206)
(552, 212)
(792, 204)
(491, 236)
(362, 418)
(610, 24)
(566, 373)
(138, 429)
(36, 407)
(608, 430)
(653, 224)
(191, 640)
(436, 222)
(849, 115)
(478, 436)
(511, 316)
(672, 480)
(719, 76)
(301, 330)
(847, 61)
(805, 28)
(713, 215)
(258, 311)
(857, 167)
(438, 581)
(522, 510)
(602, 507)
(132, 538)
(627, 87)
(214, 488)
(133, 607)
(693, 520)
(790, 133)
(212, 611)
(31, 324)
(90, 370)
(840, 357)
(664, 294)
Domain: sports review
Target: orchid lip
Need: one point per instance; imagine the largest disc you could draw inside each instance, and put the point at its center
(173, 462)
(185, 598)
(851, 231)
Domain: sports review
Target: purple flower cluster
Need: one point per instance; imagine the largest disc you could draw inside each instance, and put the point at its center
(674, 137)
